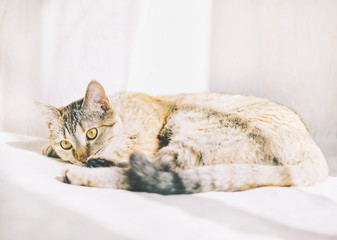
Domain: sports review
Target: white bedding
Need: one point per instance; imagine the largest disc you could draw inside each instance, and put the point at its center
(34, 205)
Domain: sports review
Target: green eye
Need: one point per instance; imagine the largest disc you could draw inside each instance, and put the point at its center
(92, 134)
(65, 145)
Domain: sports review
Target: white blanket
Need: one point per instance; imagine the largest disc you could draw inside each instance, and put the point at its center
(34, 205)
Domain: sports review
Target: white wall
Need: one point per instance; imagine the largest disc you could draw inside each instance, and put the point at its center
(171, 47)
(283, 50)
(51, 49)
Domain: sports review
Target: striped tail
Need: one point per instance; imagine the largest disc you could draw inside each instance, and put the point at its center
(143, 176)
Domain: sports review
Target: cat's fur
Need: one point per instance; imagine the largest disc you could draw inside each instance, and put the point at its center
(184, 144)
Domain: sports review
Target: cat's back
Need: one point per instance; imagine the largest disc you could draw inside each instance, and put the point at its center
(271, 120)
(245, 106)
(214, 100)
(256, 110)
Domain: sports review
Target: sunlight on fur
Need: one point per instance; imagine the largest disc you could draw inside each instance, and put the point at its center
(186, 143)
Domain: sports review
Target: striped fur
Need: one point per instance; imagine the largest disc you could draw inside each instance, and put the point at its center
(186, 143)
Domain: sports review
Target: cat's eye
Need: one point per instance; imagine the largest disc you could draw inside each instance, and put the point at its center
(66, 145)
(92, 134)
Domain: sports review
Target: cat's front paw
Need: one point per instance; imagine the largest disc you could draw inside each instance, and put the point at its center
(49, 151)
(95, 177)
(76, 175)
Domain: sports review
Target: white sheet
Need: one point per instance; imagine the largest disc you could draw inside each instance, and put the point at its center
(34, 205)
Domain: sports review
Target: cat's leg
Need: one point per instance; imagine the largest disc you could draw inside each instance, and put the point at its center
(113, 177)
(101, 161)
(49, 151)
(109, 157)
(180, 154)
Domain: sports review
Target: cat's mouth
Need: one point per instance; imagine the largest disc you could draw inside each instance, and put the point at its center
(83, 160)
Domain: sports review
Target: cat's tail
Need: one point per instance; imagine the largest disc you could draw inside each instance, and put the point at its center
(143, 176)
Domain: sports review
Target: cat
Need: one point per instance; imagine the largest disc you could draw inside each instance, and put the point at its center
(182, 144)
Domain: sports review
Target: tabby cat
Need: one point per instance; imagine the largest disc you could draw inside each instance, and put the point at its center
(181, 144)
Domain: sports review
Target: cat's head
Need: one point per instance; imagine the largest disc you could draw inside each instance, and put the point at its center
(82, 128)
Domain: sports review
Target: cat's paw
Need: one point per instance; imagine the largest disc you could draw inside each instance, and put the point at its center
(76, 175)
(49, 151)
(95, 177)
(167, 162)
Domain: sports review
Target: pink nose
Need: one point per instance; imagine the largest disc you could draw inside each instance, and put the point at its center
(81, 156)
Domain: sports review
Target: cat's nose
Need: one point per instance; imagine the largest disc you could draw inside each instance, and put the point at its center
(81, 156)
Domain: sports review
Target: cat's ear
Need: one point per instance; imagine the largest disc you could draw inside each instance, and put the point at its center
(50, 114)
(95, 98)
